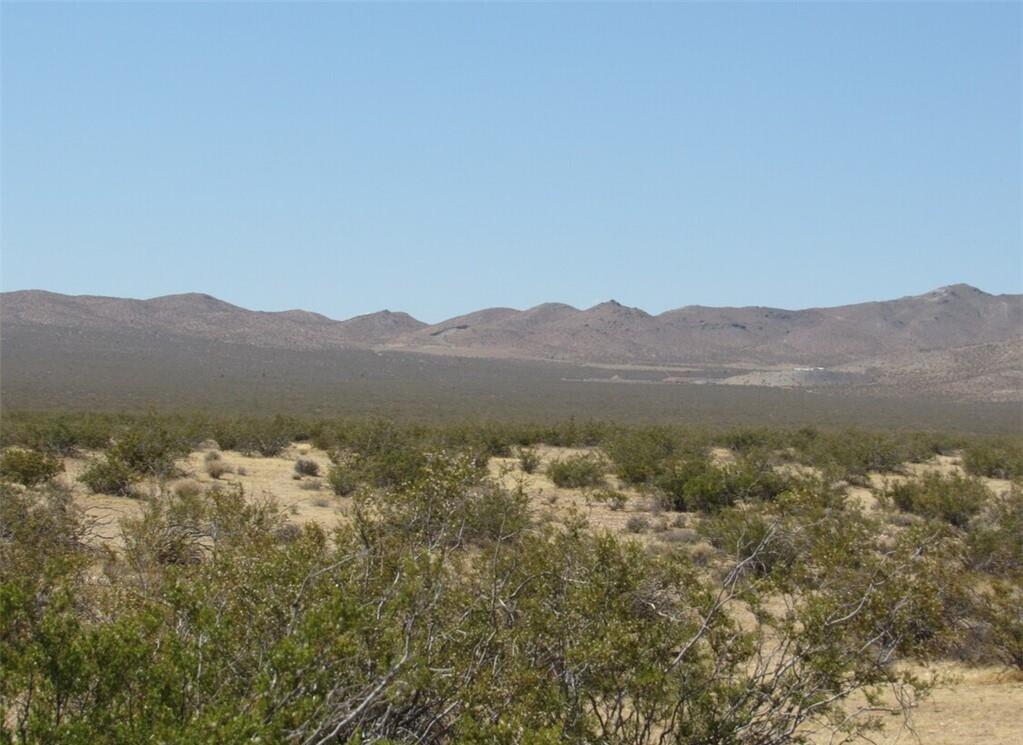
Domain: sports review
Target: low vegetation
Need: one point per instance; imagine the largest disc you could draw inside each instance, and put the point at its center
(28, 467)
(445, 607)
(953, 498)
(576, 471)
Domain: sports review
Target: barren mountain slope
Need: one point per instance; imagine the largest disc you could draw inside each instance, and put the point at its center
(199, 316)
(609, 332)
(912, 343)
(991, 372)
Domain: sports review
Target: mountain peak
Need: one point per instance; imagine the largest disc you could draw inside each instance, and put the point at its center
(958, 290)
(195, 300)
(615, 308)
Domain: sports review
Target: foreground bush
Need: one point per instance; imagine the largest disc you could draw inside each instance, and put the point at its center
(1001, 608)
(995, 539)
(442, 613)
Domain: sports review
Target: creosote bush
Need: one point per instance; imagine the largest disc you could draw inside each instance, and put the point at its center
(140, 452)
(529, 459)
(341, 480)
(953, 498)
(28, 467)
(443, 612)
(997, 458)
(696, 483)
(109, 476)
(576, 471)
(995, 537)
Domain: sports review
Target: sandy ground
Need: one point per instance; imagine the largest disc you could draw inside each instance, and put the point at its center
(984, 705)
(980, 706)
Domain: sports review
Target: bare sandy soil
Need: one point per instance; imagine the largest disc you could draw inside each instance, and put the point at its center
(976, 706)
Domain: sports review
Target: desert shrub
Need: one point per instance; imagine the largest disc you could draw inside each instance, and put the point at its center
(637, 524)
(999, 459)
(995, 538)
(341, 480)
(612, 497)
(265, 437)
(852, 454)
(743, 532)
(385, 455)
(28, 467)
(445, 488)
(1001, 608)
(576, 471)
(216, 468)
(529, 459)
(57, 434)
(747, 440)
(440, 614)
(638, 454)
(953, 498)
(211, 456)
(186, 489)
(391, 467)
(148, 450)
(307, 467)
(697, 484)
(109, 476)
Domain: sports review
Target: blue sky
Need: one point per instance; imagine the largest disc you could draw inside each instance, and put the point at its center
(442, 158)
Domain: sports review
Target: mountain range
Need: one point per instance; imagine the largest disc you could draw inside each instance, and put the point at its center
(955, 339)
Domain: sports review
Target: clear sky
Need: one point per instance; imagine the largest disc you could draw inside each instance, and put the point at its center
(443, 158)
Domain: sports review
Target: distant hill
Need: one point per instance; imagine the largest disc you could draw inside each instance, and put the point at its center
(197, 316)
(612, 333)
(956, 340)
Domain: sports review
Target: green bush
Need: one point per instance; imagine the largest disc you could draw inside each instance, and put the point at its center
(148, 450)
(390, 467)
(576, 471)
(28, 467)
(440, 613)
(698, 484)
(529, 459)
(748, 440)
(998, 459)
(995, 538)
(109, 476)
(1002, 610)
(638, 455)
(144, 451)
(341, 480)
(853, 454)
(743, 532)
(953, 498)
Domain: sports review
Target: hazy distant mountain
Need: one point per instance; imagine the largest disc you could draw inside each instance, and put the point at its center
(946, 340)
(199, 316)
(949, 317)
